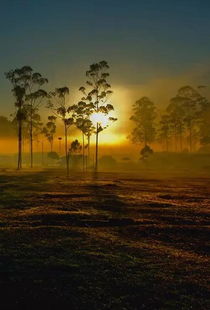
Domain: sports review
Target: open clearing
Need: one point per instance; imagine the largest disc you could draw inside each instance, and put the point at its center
(118, 241)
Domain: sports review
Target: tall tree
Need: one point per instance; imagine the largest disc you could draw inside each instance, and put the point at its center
(188, 105)
(20, 85)
(97, 97)
(82, 113)
(34, 99)
(59, 104)
(144, 116)
(28, 93)
(204, 120)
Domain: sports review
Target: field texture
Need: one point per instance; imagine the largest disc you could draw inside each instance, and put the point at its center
(115, 241)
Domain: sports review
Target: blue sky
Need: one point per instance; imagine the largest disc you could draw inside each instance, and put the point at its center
(141, 39)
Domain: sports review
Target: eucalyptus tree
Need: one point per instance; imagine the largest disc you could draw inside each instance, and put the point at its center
(58, 102)
(188, 106)
(49, 130)
(19, 80)
(33, 102)
(97, 95)
(144, 117)
(28, 93)
(82, 113)
(75, 148)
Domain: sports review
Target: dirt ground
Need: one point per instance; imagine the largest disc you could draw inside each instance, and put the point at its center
(115, 241)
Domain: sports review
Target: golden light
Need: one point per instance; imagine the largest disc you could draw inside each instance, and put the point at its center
(100, 118)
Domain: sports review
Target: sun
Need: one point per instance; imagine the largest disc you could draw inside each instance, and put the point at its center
(100, 118)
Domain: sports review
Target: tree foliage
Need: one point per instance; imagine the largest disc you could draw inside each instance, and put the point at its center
(144, 116)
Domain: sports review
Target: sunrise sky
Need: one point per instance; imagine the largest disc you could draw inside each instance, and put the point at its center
(153, 47)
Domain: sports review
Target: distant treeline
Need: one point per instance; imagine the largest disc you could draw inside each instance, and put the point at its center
(183, 126)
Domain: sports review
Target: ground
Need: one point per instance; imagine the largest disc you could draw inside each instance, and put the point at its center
(112, 241)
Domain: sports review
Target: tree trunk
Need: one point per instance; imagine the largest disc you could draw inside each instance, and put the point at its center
(31, 139)
(180, 140)
(66, 149)
(167, 144)
(42, 153)
(83, 152)
(96, 159)
(19, 165)
(190, 138)
(88, 157)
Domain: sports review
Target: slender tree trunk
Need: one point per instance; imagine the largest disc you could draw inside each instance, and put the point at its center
(88, 157)
(167, 144)
(66, 149)
(190, 138)
(42, 153)
(175, 141)
(31, 139)
(180, 140)
(19, 165)
(83, 152)
(96, 159)
(145, 139)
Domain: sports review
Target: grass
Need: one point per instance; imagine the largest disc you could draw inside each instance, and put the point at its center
(120, 241)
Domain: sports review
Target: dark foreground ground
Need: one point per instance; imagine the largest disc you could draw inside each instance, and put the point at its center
(116, 242)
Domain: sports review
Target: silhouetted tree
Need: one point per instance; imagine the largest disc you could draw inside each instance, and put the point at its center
(144, 115)
(26, 88)
(34, 98)
(49, 130)
(146, 152)
(204, 122)
(19, 79)
(97, 97)
(82, 114)
(75, 147)
(187, 105)
(59, 104)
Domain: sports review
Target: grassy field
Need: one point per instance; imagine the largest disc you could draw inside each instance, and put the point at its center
(118, 241)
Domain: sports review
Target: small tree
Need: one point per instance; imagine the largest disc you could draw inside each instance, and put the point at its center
(144, 115)
(75, 147)
(49, 130)
(146, 152)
